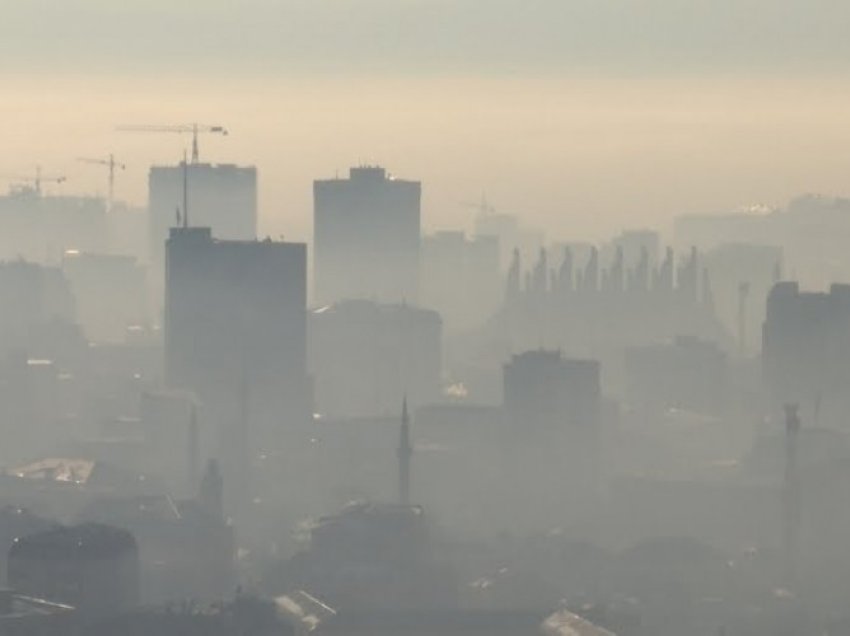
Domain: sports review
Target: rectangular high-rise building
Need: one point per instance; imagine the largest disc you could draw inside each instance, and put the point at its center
(366, 237)
(222, 197)
(236, 334)
(806, 350)
(39, 227)
(543, 390)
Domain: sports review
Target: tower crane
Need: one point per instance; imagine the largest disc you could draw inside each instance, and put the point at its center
(112, 165)
(484, 207)
(183, 129)
(36, 180)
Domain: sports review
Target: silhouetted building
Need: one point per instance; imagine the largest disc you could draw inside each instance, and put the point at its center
(173, 434)
(596, 309)
(17, 522)
(461, 277)
(235, 335)
(506, 229)
(810, 229)
(187, 548)
(545, 391)
(636, 244)
(373, 556)
(364, 355)
(92, 567)
(688, 373)
(110, 293)
(805, 349)
(36, 300)
(222, 197)
(366, 237)
(40, 228)
(742, 275)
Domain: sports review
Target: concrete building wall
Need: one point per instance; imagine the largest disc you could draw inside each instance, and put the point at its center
(366, 237)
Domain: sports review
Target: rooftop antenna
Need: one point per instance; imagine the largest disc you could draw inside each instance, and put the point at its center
(185, 192)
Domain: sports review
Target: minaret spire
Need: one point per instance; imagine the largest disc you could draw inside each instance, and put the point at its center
(405, 452)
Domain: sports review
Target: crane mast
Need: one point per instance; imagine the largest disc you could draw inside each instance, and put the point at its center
(110, 163)
(36, 180)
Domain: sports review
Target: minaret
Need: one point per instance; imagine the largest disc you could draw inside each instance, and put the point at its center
(404, 452)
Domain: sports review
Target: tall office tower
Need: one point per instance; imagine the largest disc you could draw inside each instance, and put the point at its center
(366, 237)
(806, 350)
(235, 334)
(222, 197)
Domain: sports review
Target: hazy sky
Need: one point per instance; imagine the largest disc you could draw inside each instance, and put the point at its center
(436, 35)
(581, 115)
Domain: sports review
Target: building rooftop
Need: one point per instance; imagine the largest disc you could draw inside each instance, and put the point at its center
(564, 623)
(85, 541)
(369, 309)
(14, 606)
(57, 469)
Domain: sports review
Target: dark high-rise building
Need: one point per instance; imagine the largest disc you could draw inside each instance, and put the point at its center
(92, 567)
(366, 237)
(805, 349)
(235, 334)
(688, 373)
(545, 391)
(222, 197)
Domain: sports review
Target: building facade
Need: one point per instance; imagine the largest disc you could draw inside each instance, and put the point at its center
(222, 197)
(235, 335)
(366, 236)
(805, 348)
(364, 355)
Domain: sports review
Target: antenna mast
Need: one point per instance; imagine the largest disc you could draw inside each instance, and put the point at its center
(186, 186)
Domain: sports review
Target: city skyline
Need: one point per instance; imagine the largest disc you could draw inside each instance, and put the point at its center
(567, 153)
(424, 318)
